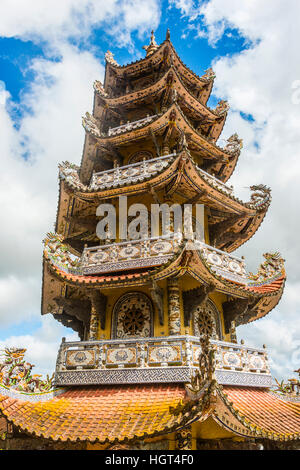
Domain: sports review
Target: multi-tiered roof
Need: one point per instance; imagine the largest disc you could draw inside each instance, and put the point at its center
(153, 138)
(152, 132)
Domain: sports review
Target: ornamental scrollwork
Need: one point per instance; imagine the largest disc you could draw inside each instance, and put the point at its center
(183, 438)
(133, 316)
(16, 373)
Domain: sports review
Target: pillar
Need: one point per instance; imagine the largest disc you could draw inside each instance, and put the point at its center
(174, 307)
(94, 324)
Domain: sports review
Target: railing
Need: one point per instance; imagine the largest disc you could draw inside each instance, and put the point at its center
(164, 359)
(127, 174)
(130, 254)
(156, 251)
(222, 263)
(215, 182)
(130, 125)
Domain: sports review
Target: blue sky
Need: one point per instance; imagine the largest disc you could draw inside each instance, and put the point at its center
(50, 54)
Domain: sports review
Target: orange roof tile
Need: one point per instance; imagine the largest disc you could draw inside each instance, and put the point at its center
(102, 414)
(89, 279)
(269, 413)
(268, 287)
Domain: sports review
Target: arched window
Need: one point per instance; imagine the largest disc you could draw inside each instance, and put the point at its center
(206, 320)
(133, 316)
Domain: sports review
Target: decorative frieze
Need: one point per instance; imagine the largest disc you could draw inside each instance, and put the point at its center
(155, 251)
(130, 174)
(127, 255)
(131, 125)
(223, 264)
(161, 359)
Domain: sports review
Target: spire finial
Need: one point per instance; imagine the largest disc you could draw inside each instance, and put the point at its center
(168, 35)
(152, 41)
(152, 46)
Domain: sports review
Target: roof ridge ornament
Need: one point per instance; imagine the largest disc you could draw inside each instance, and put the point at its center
(234, 144)
(222, 107)
(90, 124)
(204, 381)
(152, 46)
(109, 57)
(272, 266)
(209, 74)
(16, 374)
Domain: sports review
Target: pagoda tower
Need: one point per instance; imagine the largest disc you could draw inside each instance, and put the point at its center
(157, 364)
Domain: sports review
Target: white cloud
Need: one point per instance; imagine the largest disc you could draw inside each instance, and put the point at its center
(259, 82)
(42, 346)
(55, 20)
(49, 132)
(186, 7)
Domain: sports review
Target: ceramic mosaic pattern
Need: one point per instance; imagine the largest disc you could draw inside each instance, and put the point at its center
(164, 354)
(133, 315)
(81, 357)
(115, 356)
(144, 359)
(206, 320)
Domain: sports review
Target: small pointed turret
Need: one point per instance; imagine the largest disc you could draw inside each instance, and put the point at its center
(152, 46)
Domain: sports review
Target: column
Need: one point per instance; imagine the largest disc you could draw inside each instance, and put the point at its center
(174, 307)
(94, 324)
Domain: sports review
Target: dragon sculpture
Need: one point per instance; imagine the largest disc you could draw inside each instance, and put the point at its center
(205, 375)
(209, 74)
(291, 388)
(261, 197)
(99, 88)
(273, 265)
(16, 373)
(109, 57)
(234, 144)
(69, 173)
(90, 124)
(58, 252)
(222, 107)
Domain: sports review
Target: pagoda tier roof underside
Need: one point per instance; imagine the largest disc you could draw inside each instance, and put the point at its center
(164, 90)
(205, 264)
(180, 178)
(164, 56)
(171, 124)
(111, 415)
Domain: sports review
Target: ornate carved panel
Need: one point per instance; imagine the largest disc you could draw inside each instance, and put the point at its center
(206, 320)
(133, 316)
